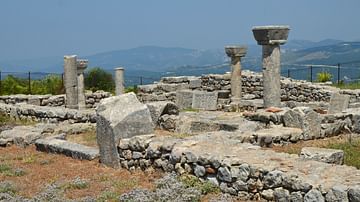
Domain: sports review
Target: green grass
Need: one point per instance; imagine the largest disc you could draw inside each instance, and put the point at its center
(108, 196)
(7, 170)
(190, 110)
(7, 187)
(351, 150)
(352, 85)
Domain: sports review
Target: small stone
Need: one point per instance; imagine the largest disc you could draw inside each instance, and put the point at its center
(224, 174)
(213, 180)
(273, 179)
(314, 195)
(281, 195)
(199, 171)
(210, 170)
(137, 155)
(240, 185)
(268, 194)
(354, 194)
(296, 196)
(179, 169)
(337, 193)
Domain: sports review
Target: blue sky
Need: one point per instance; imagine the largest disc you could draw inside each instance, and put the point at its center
(40, 28)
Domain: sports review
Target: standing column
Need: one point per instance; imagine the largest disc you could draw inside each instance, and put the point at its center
(81, 66)
(271, 37)
(236, 53)
(119, 81)
(70, 81)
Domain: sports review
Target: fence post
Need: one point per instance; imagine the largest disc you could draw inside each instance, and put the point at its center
(311, 73)
(141, 80)
(338, 81)
(0, 83)
(29, 77)
(288, 72)
(62, 80)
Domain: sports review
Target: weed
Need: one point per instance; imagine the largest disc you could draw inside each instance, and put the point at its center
(32, 158)
(77, 183)
(125, 184)
(108, 196)
(8, 187)
(323, 76)
(205, 187)
(6, 170)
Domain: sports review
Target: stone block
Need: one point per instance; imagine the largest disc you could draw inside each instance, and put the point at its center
(34, 101)
(184, 99)
(194, 83)
(306, 119)
(338, 103)
(120, 117)
(204, 100)
(160, 108)
(71, 149)
(333, 156)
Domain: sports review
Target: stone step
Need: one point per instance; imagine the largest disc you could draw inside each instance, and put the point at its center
(74, 150)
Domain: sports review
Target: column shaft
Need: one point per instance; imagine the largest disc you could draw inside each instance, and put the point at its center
(119, 81)
(81, 90)
(70, 81)
(271, 76)
(236, 83)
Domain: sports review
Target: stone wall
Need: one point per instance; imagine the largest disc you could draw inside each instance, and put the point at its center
(47, 114)
(92, 99)
(291, 90)
(239, 175)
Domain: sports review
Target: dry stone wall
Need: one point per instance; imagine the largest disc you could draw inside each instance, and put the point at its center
(92, 99)
(252, 88)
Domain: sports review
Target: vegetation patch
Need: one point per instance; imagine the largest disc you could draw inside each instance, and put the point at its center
(350, 148)
(205, 187)
(87, 138)
(352, 85)
(323, 76)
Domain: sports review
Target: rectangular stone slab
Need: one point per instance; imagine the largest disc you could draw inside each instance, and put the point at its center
(338, 103)
(204, 100)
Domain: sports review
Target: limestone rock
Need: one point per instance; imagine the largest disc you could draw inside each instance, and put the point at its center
(157, 109)
(314, 195)
(204, 100)
(337, 193)
(306, 119)
(333, 156)
(184, 99)
(120, 117)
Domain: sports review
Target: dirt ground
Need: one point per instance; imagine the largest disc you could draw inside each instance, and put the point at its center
(41, 169)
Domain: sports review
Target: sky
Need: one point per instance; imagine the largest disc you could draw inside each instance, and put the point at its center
(42, 28)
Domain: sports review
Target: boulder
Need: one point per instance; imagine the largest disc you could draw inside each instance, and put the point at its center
(306, 119)
(333, 156)
(338, 103)
(120, 117)
(157, 109)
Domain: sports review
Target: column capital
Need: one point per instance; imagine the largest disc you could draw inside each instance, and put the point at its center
(271, 34)
(235, 51)
(81, 64)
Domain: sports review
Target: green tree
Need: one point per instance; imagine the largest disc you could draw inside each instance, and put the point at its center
(98, 79)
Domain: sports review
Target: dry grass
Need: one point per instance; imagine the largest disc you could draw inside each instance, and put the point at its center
(42, 169)
(87, 138)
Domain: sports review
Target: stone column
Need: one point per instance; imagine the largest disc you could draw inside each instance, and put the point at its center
(119, 81)
(81, 66)
(70, 81)
(271, 37)
(236, 53)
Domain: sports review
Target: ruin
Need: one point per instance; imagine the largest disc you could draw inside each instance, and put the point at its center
(235, 53)
(206, 138)
(271, 37)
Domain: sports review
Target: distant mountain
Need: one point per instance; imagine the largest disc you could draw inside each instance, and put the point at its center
(343, 52)
(295, 45)
(153, 58)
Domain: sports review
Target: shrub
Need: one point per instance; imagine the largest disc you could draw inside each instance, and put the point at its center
(323, 76)
(98, 79)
